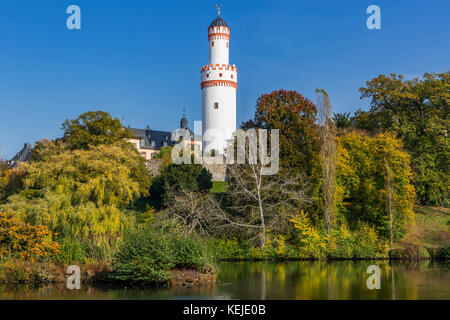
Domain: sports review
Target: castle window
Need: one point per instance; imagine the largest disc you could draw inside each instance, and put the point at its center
(220, 75)
(216, 105)
(142, 143)
(207, 75)
(153, 143)
(227, 44)
(231, 76)
(212, 43)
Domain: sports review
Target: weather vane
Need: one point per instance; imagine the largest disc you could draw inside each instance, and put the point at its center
(218, 9)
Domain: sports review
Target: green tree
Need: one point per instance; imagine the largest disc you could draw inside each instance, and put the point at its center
(94, 128)
(189, 177)
(342, 120)
(418, 111)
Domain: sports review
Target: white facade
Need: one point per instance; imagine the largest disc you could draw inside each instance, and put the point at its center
(219, 85)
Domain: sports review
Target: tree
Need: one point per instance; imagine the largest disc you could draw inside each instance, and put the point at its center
(94, 128)
(342, 120)
(165, 154)
(364, 184)
(256, 203)
(78, 193)
(328, 158)
(418, 112)
(295, 116)
(189, 177)
(11, 180)
(103, 174)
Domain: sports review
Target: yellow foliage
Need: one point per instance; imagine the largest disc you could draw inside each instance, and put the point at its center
(25, 241)
(362, 179)
(312, 243)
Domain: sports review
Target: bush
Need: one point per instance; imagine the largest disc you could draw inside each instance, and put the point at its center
(311, 243)
(359, 244)
(19, 271)
(147, 255)
(144, 256)
(190, 253)
(228, 249)
(23, 241)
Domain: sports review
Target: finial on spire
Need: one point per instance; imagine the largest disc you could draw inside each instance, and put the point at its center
(218, 9)
(184, 112)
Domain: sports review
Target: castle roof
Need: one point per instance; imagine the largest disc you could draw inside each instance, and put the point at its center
(23, 155)
(158, 138)
(218, 22)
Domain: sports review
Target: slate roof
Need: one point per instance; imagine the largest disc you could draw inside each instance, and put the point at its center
(23, 155)
(218, 22)
(159, 137)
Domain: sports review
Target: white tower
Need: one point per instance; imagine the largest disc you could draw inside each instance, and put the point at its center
(219, 85)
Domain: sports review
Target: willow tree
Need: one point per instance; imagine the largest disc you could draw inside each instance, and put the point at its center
(328, 157)
(78, 193)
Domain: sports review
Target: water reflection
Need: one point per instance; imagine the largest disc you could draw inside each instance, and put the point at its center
(271, 280)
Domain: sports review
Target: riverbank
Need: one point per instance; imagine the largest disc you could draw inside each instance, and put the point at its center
(44, 273)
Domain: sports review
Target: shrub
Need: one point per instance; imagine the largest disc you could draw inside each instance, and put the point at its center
(311, 244)
(190, 253)
(228, 249)
(23, 241)
(147, 255)
(144, 256)
(358, 244)
(19, 271)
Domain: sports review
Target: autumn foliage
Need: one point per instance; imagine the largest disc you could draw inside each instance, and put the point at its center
(25, 241)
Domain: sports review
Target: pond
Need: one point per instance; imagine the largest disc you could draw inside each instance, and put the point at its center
(279, 280)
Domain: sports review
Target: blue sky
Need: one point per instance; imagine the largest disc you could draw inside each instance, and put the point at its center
(141, 59)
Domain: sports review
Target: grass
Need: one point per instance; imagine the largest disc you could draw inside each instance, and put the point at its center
(432, 226)
(219, 187)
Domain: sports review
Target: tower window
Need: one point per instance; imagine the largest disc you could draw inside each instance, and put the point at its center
(216, 105)
(212, 43)
(231, 76)
(220, 75)
(227, 44)
(207, 75)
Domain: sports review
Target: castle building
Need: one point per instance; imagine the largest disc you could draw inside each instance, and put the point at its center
(149, 142)
(218, 85)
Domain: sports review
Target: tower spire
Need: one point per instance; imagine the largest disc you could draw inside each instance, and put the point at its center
(218, 9)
